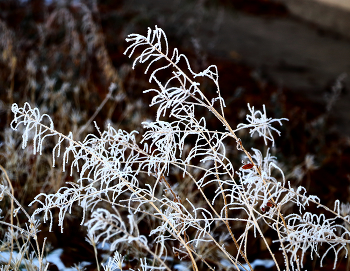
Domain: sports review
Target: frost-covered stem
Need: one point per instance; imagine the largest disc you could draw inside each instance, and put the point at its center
(234, 262)
(225, 222)
(262, 236)
(210, 108)
(257, 170)
(176, 197)
(92, 242)
(217, 176)
(280, 238)
(182, 241)
(42, 254)
(225, 123)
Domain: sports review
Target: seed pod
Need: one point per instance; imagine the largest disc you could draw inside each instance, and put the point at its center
(247, 166)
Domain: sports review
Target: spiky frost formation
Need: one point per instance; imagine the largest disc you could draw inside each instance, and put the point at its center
(260, 123)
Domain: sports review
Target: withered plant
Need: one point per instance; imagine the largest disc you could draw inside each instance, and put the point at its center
(178, 181)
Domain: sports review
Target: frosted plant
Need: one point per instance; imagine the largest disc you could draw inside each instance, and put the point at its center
(116, 263)
(14, 233)
(260, 123)
(123, 181)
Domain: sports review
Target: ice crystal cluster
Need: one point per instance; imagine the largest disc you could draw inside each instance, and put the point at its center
(119, 172)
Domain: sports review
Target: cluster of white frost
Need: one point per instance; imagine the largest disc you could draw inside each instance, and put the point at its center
(260, 123)
(116, 169)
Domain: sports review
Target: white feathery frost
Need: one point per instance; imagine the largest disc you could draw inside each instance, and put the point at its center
(260, 123)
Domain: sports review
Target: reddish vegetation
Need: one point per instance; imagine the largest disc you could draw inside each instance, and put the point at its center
(247, 166)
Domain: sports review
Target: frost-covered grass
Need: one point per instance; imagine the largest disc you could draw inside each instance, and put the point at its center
(177, 180)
